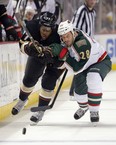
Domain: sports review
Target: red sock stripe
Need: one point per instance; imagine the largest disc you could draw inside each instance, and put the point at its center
(93, 104)
(95, 94)
(83, 103)
(25, 92)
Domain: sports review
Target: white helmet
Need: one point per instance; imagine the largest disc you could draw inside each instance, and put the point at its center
(65, 27)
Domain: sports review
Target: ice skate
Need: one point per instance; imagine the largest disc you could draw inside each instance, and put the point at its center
(79, 113)
(94, 117)
(19, 106)
(37, 116)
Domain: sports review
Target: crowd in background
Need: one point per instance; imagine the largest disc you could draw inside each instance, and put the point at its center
(106, 14)
(63, 9)
(28, 10)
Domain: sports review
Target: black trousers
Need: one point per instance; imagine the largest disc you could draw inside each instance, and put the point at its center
(35, 69)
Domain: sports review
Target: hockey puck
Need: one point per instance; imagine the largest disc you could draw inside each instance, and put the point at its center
(24, 131)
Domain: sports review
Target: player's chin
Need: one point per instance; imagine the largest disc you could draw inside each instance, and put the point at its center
(68, 44)
(44, 37)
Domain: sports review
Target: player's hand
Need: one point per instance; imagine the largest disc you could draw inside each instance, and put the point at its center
(46, 50)
(34, 49)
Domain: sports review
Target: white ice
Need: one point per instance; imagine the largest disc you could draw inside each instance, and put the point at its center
(58, 126)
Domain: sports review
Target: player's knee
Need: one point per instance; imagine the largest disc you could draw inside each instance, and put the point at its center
(30, 81)
(49, 84)
(80, 89)
(94, 82)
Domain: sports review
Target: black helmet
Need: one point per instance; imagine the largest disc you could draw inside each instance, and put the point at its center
(47, 19)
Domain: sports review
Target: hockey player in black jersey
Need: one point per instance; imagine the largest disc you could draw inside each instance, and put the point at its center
(44, 32)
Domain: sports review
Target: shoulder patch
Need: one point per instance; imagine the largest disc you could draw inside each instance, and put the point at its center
(81, 43)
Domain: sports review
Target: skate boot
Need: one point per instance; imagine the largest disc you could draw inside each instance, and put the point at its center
(94, 116)
(37, 116)
(19, 106)
(79, 113)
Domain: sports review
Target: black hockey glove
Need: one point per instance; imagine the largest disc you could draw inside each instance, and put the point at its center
(33, 49)
(11, 34)
(46, 56)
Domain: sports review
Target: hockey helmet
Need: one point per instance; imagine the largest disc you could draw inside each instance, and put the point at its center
(47, 19)
(65, 27)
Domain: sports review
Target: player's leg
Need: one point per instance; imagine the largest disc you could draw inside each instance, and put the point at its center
(80, 94)
(94, 83)
(33, 71)
(49, 80)
(95, 77)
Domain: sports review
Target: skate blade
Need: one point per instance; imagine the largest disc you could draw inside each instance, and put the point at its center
(33, 123)
(94, 124)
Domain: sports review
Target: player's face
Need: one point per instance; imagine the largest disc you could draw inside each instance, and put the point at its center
(67, 39)
(91, 3)
(45, 32)
(29, 16)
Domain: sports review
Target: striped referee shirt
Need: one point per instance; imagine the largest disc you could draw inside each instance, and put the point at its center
(84, 19)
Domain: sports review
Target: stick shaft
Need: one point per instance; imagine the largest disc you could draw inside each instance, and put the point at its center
(43, 108)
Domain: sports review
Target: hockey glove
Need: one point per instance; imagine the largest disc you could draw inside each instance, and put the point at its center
(60, 51)
(34, 49)
(47, 54)
(11, 34)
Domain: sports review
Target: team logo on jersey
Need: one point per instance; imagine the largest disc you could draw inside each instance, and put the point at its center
(81, 43)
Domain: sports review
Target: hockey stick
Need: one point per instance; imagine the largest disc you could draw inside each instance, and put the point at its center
(16, 7)
(23, 25)
(43, 108)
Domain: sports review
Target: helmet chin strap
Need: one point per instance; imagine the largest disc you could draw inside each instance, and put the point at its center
(74, 34)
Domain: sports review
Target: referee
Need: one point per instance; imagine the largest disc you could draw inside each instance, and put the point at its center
(84, 19)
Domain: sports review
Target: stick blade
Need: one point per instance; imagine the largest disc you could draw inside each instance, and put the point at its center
(40, 108)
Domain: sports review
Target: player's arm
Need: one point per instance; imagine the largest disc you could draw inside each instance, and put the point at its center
(83, 49)
(33, 49)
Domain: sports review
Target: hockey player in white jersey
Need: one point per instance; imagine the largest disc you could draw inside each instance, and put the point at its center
(90, 64)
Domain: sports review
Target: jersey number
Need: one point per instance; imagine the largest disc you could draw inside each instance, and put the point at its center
(85, 55)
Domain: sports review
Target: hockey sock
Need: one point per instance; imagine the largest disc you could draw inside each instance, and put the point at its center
(23, 95)
(43, 101)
